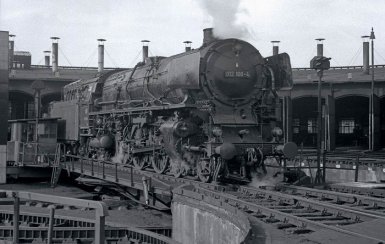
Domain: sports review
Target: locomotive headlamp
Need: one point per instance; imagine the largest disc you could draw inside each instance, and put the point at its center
(277, 132)
(217, 132)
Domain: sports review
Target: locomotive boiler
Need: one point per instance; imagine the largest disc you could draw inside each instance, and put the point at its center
(212, 112)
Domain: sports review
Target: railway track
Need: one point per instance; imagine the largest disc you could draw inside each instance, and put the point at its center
(299, 215)
(356, 202)
(296, 210)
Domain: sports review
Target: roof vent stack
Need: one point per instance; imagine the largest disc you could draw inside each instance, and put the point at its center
(187, 46)
(145, 50)
(320, 46)
(11, 49)
(101, 55)
(55, 54)
(365, 54)
(47, 58)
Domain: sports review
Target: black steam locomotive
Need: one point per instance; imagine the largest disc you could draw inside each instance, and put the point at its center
(212, 112)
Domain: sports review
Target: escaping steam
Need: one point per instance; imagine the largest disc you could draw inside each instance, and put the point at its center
(259, 179)
(225, 17)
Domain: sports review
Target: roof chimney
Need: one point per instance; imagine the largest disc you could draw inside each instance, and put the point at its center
(320, 46)
(11, 49)
(55, 54)
(187, 46)
(101, 55)
(275, 47)
(208, 36)
(145, 49)
(365, 54)
(46, 58)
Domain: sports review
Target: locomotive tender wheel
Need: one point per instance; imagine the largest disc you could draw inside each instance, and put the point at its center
(204, 171)
(160, 162)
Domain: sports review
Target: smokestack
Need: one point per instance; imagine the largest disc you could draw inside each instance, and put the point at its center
(320, 46)
(365, 54)
(11, 49)
(145, 49)
(46, 58)
(275, 47)
(187, 46)
(101, 55)
(55, 53)
(208, 36)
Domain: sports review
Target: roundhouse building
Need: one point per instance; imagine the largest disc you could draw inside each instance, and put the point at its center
(346, 93)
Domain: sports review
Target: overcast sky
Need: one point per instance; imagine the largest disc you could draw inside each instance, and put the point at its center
(167, 23)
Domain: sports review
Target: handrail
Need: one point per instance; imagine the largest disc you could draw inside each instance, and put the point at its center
(101, 210)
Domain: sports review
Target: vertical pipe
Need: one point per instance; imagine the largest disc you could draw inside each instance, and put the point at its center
(356, 169)
(320, 49)
(319, 129)
(99, 228)
(187, 46)
(275, 50)
(51, 223)
(145, 50)
(372, 146)
(47, 58)
(101, 55)
(11, 50)
(324, 167)
(145, 53)
(55, 54)
(365, 55)
(16, 215)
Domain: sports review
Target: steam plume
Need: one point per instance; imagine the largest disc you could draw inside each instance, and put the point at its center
(224, 16)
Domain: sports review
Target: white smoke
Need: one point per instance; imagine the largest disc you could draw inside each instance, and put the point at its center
(119, 155)
(269, 179)
(225, 17)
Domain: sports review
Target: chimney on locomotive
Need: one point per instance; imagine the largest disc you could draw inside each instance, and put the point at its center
(275, 47)
(365, 46)
(145, 50)
(208, 36)
(320, 46)
(187, 46)
(55, 54)
(47, 58)
(101, 55)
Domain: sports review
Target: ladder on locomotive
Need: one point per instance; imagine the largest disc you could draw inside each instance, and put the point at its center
(57, 166)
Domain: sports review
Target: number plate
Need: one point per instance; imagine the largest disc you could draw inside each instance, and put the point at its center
(237, 74)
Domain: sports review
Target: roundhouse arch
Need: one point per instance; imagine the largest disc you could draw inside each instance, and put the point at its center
(21, 105)
(305, 120)
(352, 121)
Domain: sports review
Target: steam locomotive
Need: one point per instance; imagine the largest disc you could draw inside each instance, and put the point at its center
(212, 112)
